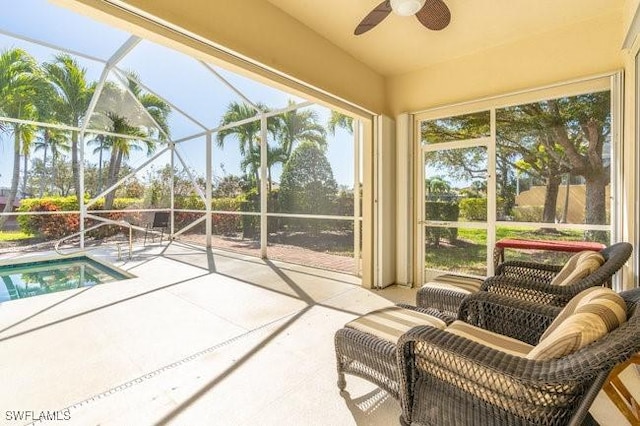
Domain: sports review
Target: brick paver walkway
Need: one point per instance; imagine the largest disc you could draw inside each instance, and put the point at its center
(286, 253)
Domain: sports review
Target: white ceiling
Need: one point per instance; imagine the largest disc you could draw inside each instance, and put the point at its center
(400, 44)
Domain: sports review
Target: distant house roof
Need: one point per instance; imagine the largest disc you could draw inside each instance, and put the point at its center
(4, 194)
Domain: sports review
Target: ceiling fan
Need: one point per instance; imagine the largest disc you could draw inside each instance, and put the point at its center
(433, 14)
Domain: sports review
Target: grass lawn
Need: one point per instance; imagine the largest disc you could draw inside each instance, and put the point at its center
(14, 236)
(468, 254)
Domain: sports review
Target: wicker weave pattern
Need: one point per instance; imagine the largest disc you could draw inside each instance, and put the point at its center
(372, 358)
(530, 281)
(450, 380)
(541, 291)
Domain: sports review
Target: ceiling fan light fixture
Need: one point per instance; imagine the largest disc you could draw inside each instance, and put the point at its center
(407, 7)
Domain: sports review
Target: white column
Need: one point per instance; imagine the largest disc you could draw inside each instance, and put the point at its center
(404, 200)
(208, 190)
(264, 231)
(357, 135)
(81, 206)
(171, 186)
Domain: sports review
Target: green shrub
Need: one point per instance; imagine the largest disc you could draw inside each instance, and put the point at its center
(49, 226)
(226, 224)
(58, 225)
(222, 224)
(441, 210)
(474, 209)
(527, 213)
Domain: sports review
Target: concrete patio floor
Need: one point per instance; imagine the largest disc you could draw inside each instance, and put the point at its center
(199, 337)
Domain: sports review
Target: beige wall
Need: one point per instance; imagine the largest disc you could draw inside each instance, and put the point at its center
(582, 49)
(630, 7)
(630, 173)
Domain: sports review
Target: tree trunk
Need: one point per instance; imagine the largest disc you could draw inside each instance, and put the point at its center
(596, 206)
(100, 168)
(565, 210)
(54, 174)
(75, 169)
(596, 211)
(15, 177)
(44, 168)
(24, 177)
(551, 199)
(114, 169)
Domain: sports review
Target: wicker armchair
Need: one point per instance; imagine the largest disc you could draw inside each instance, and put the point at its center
(529, 281)
(447, 379)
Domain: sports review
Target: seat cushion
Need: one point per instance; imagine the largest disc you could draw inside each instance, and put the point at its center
(587, 317)
(488, 338)
(392, 322)
(579, 266)
(458, 283)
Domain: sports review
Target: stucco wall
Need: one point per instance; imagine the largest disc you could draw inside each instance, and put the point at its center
(582, 49)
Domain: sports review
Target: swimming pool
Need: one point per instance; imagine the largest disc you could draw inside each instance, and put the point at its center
(33, 277)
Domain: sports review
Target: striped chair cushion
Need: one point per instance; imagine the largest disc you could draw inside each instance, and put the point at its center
(459, 283)
(392, 322)
(579, 266)
(488, 338)
(587, 317)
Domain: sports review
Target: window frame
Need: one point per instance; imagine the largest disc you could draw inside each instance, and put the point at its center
(610, 81)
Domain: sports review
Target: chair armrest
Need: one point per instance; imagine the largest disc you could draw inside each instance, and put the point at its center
(520, 319)
(448, 319)
(528, 270)
(476, 381)
(443, 299)
(530, 289)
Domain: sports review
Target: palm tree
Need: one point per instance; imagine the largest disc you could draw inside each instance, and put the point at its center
(74, 93)
(54, 140)
(296, 126)
(20, 83)
(338, 119)
(135, 123)
(248, 134)
(275, 155)
(28, 137)
(102, 145)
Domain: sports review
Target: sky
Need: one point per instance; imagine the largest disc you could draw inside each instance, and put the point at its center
(181, 80)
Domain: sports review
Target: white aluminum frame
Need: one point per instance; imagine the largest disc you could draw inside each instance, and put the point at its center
(111, 68)
(609, 81)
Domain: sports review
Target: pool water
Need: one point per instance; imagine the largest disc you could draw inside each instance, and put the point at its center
(34, 278)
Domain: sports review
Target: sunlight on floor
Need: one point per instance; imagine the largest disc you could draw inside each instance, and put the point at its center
(199, 337)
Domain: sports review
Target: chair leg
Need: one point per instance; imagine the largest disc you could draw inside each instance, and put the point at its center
(342, 383)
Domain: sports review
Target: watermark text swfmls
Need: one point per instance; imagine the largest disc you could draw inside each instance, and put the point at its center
(33, 416)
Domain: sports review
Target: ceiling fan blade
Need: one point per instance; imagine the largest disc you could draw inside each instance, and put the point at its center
(374, 17)
(434, 15)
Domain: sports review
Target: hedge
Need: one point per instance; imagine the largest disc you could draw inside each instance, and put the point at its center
(222, 224)
(441, 210)
(56, 226)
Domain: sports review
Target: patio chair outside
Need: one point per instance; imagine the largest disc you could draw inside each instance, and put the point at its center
(530, 281)
(448, 379)
(159, 224)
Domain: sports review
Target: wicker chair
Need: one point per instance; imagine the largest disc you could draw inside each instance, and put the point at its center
(447, 379)
(529, 281)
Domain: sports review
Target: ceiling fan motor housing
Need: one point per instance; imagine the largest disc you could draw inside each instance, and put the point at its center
(406, 7)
